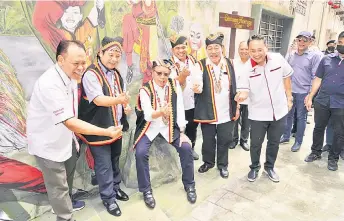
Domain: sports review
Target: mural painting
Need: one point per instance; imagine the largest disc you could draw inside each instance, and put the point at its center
(29, 34)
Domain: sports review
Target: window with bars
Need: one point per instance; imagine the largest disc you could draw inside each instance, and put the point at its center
(272, 29)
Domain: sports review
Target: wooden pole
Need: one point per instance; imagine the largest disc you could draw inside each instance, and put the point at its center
(231, 46)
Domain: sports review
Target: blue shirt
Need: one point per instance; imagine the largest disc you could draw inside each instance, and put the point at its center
(331, 71)
(304, 67)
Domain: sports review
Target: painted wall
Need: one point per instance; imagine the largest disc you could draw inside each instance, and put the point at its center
(29, 34)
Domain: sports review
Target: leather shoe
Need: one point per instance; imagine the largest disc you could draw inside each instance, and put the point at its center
(121, 195)
(296, 147)
(284, 140)
(204, 168)
(252, 175)
(113, 208)
(232, 145)
(326, 148)
(195, 155)
(149, 199)
(224, 173)
(191, 194)
(332, 165)
(312, 157)
(245, 146)
(272, 175)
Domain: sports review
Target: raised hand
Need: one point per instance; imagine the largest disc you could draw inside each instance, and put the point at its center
(196, 88)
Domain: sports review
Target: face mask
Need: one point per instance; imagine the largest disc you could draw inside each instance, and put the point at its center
(340, 49)
(331, 48)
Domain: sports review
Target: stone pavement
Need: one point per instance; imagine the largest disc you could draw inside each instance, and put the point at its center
(306, 192)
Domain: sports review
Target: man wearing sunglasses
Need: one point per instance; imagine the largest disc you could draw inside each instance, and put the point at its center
(160, 112)
(105, 103)
(304, 63)
(186, 70)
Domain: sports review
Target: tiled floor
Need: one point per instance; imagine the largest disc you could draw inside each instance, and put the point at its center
(306, 192)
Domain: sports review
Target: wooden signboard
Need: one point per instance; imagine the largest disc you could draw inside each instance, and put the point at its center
(235, 21)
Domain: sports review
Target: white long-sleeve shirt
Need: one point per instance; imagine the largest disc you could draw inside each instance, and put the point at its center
(157, 125)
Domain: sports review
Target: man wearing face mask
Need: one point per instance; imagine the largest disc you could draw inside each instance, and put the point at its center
(160, 112)
(186, 70)
(266, 81)
(52, 121)
(331, 46)
(329, 103)
(216, 109)
(104, 103)
(304, 63)
(239, 65)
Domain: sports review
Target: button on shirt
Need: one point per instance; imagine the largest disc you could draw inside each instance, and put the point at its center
(195, 77)
(222, 99)
(331, 71)
(157, 125)
(239, 67)
(268, 101)
(51, 104)
(93, 88)
(304, 67)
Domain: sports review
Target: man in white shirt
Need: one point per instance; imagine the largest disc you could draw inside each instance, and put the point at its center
(160, 111)
(186, 70)
(266, 81)
(216, 108)
(239, 65)
(52, 121)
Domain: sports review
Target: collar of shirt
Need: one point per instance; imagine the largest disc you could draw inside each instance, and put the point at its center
(105, 69)
(267, 58)
(176, 60)
(222, 61)
(335, 55)
(305, 52)
(66, 80)
(157, 87)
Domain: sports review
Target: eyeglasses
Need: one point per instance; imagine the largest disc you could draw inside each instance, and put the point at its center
(162, 73)
(303, 39)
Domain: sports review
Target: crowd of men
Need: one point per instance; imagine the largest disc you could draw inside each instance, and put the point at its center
(268, 92)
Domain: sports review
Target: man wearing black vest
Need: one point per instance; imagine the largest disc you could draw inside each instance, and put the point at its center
(160, 111)
(186, 70)
(104, 103)
(216, 109)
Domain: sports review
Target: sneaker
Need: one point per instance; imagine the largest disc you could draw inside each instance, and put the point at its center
(252, 175)
(272, 175)
(284, 140)
(332, 165)
(77, 205)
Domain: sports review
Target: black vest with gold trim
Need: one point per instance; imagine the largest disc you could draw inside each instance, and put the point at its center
(142, 125)
(103, 117)
(205, 111)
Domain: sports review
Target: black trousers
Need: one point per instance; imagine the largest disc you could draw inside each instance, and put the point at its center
(106, 166)
(274, 131)
(322, 114)
(191, 127)
(245, 126)
(216, 139)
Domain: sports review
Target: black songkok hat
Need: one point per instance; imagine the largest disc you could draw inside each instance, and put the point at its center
(163, 62)
(214, 39)
(331, 42)
(108, 42)
(177, 40)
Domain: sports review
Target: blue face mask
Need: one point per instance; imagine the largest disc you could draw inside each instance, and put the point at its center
(340, 49)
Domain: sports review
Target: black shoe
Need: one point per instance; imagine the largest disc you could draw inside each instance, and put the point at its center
(284, 140)
(296, 147)
(113, 208)
(326, 148)
(332, 165)
(224, 173)
(272, 175)
(204, 168)
(121, 195)
(342, 154)
(191, 194)
(312, 157)
(252, 175)
(94, 181)
(232, 145)
(149, 199)
(195, 155)
(245, 146)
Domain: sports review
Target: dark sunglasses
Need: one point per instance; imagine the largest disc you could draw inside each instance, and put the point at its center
(303, 39)
(162, 73)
